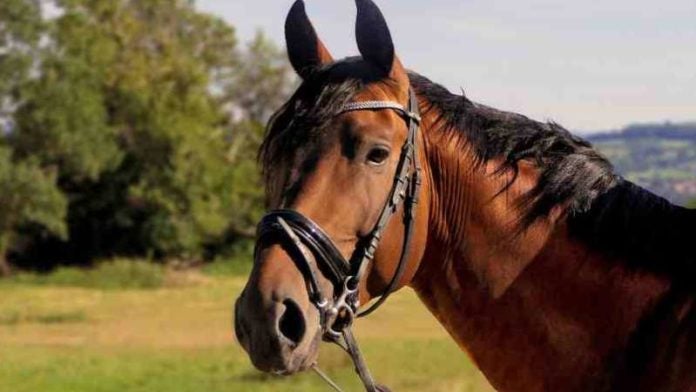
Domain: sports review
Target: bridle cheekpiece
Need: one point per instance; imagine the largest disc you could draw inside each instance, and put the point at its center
(315, 252)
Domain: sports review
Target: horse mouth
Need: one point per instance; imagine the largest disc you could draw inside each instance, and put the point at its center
(283, 360)
(300, 359)
(282, 365)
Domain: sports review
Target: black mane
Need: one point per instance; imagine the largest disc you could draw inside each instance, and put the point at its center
(603, 209)
(607, 212)
(571, 171)
(644, 230)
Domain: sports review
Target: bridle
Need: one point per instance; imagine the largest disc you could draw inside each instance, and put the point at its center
(315, 251)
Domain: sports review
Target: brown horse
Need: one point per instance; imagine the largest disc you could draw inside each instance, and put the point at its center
(551, 271)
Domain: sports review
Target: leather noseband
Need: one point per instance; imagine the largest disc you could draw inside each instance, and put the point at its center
(312, 245)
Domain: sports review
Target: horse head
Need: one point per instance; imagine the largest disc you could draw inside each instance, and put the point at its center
(337, 170)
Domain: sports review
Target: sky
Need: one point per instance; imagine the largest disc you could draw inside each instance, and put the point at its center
(588, 65)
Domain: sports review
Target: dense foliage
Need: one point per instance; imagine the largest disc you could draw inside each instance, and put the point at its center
(659, 157)
(129, 128)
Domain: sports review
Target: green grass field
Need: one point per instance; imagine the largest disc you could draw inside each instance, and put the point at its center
(178, 337)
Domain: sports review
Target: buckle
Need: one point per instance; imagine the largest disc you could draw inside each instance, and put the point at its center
(342, 312)
(413, 116)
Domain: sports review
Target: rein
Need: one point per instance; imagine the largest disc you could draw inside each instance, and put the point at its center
(315, 251)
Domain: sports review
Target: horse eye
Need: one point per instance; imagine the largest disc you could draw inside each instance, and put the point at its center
(377, 156)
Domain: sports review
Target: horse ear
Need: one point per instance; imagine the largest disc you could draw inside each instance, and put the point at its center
(375, 40)
(305, 50)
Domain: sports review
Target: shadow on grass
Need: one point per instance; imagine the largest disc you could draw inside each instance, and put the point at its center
(15, 317)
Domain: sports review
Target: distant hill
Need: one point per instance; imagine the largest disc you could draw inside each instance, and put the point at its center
(659, 157)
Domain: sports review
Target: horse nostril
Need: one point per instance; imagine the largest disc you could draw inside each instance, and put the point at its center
(292, 324)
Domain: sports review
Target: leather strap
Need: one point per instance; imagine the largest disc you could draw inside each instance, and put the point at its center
(411, 198)
(312, 236)
(345, 275)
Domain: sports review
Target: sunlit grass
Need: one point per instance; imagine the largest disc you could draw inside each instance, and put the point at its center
(179, 338)
(107, 275)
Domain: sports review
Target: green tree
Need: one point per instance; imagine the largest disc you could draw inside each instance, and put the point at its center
(28, 195)
(258, 87)
(28, 192)
(20, 29)
(691, 204)
(149, 115)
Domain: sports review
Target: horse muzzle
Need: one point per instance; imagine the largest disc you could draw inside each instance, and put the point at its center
(277, 335)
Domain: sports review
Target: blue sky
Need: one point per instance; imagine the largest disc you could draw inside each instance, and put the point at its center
(588, 65)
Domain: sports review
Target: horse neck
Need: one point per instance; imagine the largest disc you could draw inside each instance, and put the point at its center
(535, 311)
